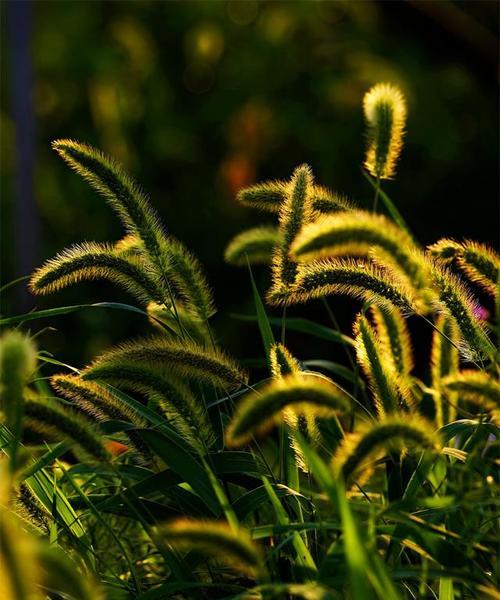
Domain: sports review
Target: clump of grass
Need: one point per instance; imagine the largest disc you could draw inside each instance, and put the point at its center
(298, 485)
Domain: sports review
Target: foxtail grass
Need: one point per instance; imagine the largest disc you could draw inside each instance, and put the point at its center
(385, 113)
(262, 409)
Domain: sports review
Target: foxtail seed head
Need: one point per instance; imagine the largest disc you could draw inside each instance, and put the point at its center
(253, 246)
(385, 113)
(260, 410)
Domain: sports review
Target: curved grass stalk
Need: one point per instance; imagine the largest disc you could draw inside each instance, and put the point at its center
(179, 357)
(124, 196)
(294, 213)
(478, 262)
(394, 337)
(455, 300)
(377, 365)
(444, 361)
(261, 410)
(99, 403)
(217, 541)
(92, 260)
(254, 245)
(59, 422)
(360, 449)
(476, 387)
(385, 113)
(356, 279)
(174, 399)
(95, 400)
(359, 233)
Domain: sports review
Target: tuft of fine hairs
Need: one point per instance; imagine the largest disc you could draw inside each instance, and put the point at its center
(359, 233)
(267, 196)
(353, 278)
(478, 262)
(294, 213)
(185, 272)
(360, 450)
(394, 337)
(253, 246)
(378, 366)
(178, 357)
(217, 541)
(476, 387)
(385, 113)
(304, 421)
(59, 422)
(455, 300)
(262, 409)
(17, 364)
(92, 260)
(124, 196)
(169, 394)
(444, 361)
(98, 402)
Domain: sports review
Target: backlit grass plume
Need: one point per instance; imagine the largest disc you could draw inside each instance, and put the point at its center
(270, 196)
(394, 337)
(356, 279)
(294, 213)
(182, 358)
(477, 387)
(304, 421)
(357, 454)
(478, 262)
(17, 364)
(456, 301)
(91, 260)
(99, 403)
(125, 197)
(253, 246)
(260, 410)
(378, 366)
(216, 541)
(185, 272)
(359, 233)
(444, 361)
(385, 113)
(62, 423)
(173, 398)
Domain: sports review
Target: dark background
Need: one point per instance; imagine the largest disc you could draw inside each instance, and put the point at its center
(198, 99)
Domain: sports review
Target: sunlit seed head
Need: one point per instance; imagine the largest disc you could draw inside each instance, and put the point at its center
(385, 112)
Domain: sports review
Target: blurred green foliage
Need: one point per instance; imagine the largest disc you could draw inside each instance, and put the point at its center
(198, 99)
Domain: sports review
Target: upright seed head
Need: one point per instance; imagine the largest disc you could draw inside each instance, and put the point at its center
(385, 113)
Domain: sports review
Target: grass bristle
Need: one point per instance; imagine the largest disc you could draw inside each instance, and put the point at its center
(385, 113)
(253, 246)
(259, 411)
(216, 541)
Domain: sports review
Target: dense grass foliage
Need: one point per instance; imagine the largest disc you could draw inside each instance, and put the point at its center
(163, 469)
